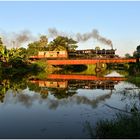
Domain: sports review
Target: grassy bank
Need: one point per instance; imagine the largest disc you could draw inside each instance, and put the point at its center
(135, 80)
(124, 126)
(22, 68)
(134, 74)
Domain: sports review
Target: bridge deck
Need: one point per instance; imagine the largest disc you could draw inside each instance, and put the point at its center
(89, 61)
(84, 77)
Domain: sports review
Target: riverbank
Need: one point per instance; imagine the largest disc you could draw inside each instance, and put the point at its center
(20, 69)
(134, 79)
(123, 126)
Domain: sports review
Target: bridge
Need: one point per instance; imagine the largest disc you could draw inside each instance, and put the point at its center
(60, 81)
(84, 77)
(90, 61)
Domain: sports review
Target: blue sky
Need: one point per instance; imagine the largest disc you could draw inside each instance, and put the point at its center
(118, 21)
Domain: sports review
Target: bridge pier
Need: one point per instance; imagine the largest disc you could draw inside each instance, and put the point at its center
(100, 67)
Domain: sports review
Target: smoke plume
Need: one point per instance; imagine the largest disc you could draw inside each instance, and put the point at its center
(53, 32)
(14, 39)
(94, 34)
(22, 37)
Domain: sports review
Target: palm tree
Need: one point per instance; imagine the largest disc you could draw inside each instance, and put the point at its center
(62, 43)
(4, 55)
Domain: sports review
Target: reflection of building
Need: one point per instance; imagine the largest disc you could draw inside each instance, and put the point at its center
(76, 84)
(78, 81)
(51, 83)
(92, 84)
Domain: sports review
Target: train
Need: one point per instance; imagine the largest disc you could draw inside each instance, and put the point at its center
(76, 54)
(92, 53)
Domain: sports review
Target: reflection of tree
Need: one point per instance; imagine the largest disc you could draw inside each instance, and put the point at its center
(62, 93)
(44, 93)
(3, 89)
(2, 96)
(14, 84)
(17, 85)
(53, 104)
(94, 102)
(34, 87)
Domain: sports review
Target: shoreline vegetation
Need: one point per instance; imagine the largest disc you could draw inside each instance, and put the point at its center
(123, 126)
(15, 61)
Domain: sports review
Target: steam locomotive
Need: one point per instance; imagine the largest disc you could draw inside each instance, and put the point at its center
(76, 54)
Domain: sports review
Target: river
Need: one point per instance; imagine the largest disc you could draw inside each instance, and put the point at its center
(62, 105)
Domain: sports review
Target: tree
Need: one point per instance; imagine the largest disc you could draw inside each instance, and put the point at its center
(4, 55)
(138, 49)
(23, 52)
(136, 53)
(127, 55)
(1, 43)
(40, 45)
(43, 42)
(17, 57)
(62, 43)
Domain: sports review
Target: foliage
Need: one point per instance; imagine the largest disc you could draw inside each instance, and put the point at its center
(134, 69)
(34, 87)
(127, 55)
(138, 48)
(137, 52)
(35, 47)
(123, 126)
(134, 80)
(62, 43)
(3, 51)
(62, 93)
(41, 63)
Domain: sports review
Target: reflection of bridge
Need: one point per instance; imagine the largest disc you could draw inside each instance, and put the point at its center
(90, 61)
(75, 84)
(84, 77)
(78, 81)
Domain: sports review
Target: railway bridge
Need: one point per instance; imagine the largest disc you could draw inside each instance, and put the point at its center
(90, 61)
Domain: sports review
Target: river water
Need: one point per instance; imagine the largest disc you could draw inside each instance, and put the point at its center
(62, 105)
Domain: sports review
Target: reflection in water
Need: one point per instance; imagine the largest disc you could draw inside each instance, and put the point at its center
(58, 106)
(53, 104)
(78, 81)
(61, 86)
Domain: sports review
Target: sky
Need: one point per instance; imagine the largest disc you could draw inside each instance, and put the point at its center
(118, 21)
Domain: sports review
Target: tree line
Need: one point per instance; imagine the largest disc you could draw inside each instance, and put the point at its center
(22, 54)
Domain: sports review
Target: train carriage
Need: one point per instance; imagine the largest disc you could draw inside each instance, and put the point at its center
(76, 54)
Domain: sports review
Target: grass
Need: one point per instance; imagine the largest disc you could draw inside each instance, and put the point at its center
(91, 69)
(124, 126)
(135, 80)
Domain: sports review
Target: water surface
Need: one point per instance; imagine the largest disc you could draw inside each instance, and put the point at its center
(60, 108)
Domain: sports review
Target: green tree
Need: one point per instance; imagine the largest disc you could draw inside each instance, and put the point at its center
(43, 42)
(136, 54)
(23, 52)
(17, 57)
(62, 43)
(40, 45)
(4, 55)
(138, 48)
(127, 55)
